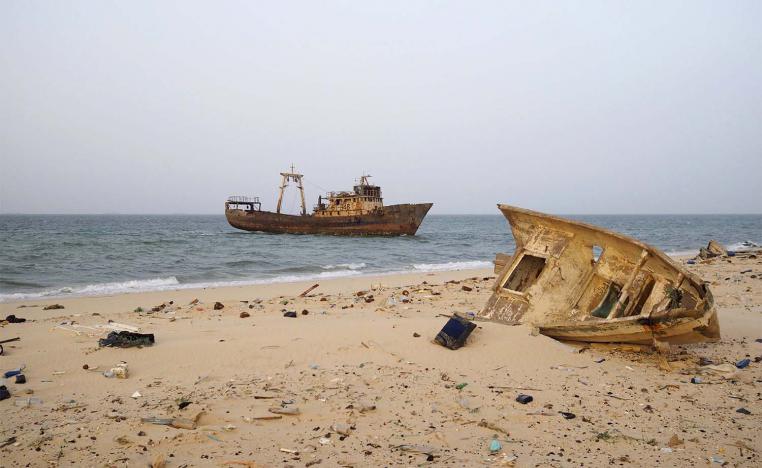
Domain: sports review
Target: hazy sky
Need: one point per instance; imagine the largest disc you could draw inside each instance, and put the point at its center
(566, 107)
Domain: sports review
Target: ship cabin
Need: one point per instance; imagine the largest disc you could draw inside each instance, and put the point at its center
(238, 202)
(364, 199)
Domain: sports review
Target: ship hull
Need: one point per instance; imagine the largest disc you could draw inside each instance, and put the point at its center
(395, 220)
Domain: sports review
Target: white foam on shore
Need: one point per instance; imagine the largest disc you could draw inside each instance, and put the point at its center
(162, 284)
(452, 266)
(350, 266)
(736, 247)
(99, 289)
(682, 253)
(171, 283)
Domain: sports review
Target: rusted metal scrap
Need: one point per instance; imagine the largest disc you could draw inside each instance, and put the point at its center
(579, 282)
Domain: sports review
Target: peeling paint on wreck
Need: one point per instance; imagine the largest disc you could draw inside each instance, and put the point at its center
(579, 282)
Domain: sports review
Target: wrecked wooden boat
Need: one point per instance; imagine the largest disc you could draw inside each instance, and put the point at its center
(359, 212)
(579, 282)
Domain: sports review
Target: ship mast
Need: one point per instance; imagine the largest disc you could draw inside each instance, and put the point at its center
(286, 178)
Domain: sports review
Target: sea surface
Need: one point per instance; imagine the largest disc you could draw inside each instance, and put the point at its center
(64, 255)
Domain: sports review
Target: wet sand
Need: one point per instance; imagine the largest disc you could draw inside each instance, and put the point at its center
(346, 356)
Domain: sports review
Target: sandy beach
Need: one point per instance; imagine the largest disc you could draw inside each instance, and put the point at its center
(369, 386)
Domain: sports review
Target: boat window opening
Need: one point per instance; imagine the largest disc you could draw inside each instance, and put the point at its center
(688, 301)
(597, 252)
(608, 302)
(645, 293)
(525, 274)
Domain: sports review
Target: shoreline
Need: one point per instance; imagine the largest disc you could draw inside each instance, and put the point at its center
(329, 275)
(277, 281)
(332, 285)
(233, 284)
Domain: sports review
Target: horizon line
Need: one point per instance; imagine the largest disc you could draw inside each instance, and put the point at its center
(432, 214)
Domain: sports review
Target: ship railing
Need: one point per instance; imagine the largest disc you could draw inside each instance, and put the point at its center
(242, 199)
(242, 202)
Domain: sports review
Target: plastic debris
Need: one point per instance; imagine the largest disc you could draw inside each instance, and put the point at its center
(365, 406)
(289, 314)
(7, 341)
(418, 448)
(126, 339)
(743, 411)
(14, 319)
(292, 411)
(14, 372)
(461, 385)
(4, 393)
(20, 379)
(27, 402)
(524, 399)
(743, 363)
(495, 446)
(119, 371)
(178, 423)
(341, 428)
(219, 306)
(567, 415)
(136, 395)
(696, 380)
(455, 332)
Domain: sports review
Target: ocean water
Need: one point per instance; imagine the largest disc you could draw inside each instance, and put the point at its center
(64, 255)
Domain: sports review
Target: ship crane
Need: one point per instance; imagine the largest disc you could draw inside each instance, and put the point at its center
(291, 177)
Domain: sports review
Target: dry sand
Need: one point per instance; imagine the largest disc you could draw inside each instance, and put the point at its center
(347, 355)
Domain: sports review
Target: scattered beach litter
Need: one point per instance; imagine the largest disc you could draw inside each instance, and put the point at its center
(14, 372)
(289, 410)
(120, 371)
(10, 340)
(313, 411)
(743, 363)
(178, 423)
(27, 402)
(308, 290)
(495, 446)
(524, 399)
(455, 332)
(127, 339)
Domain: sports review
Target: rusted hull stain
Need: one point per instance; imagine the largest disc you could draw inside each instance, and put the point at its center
(394, 220)
(579, 282)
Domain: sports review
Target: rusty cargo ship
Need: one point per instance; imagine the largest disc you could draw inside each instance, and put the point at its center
(360, 212)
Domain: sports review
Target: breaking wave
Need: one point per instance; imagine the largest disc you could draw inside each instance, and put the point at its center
(100, 289)
(345, 266)
(163, 284)
(452, 266)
